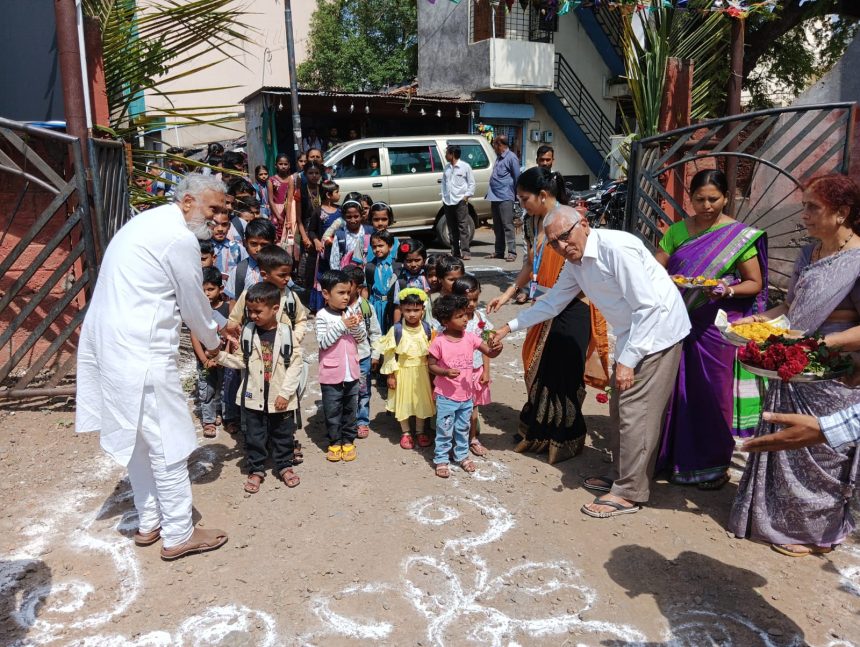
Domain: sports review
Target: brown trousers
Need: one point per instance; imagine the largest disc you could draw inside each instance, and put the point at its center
(637, 420)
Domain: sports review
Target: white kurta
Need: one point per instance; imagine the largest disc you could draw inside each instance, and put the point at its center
(149, 282)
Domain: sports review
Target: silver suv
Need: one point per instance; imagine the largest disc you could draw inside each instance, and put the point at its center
(406, 172)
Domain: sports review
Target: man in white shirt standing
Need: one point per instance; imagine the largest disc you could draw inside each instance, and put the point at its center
(128, 383)
(458, 185)
(646, 312)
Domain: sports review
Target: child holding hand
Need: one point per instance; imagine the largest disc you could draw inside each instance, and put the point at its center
(269, 394)
(405, 349)
(451, 361)
(470, 287)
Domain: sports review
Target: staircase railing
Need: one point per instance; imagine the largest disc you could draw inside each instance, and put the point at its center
(610, 21)
(581, 106)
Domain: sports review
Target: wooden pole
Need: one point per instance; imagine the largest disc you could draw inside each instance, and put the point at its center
(69, 59)
(733, 104)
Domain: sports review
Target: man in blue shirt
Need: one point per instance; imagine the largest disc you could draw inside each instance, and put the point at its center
(502, 193)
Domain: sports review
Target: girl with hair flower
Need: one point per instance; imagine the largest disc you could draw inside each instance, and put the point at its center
(404, 360)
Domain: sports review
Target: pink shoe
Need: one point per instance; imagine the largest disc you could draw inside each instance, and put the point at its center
(363, 431)
(406, 441)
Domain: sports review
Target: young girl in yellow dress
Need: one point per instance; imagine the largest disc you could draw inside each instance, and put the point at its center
(405, 348)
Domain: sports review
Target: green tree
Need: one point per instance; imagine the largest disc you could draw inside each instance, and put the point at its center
(361, 45)
(798, 57)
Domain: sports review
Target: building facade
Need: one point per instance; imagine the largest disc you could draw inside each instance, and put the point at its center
(541, 80)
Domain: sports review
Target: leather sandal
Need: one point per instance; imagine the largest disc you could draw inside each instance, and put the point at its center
(209, 430)
(443, 470)
(477, 448)
(253, 483)
(289, 477)
(467, 465)
(201, 541)
(147, 538)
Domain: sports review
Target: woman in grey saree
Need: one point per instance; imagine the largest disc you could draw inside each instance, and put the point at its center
(798, 500)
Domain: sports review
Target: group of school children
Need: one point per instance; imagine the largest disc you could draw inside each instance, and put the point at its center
(377, 318)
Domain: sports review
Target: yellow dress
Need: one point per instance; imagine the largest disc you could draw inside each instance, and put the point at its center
(408, 362)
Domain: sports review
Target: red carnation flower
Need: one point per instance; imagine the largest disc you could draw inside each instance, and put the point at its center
(482, 324)
(602, 398)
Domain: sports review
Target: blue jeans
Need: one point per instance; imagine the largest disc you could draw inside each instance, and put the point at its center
(452, 424)
(362, 419)
(209, 381)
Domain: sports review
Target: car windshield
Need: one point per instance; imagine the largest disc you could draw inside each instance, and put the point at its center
(332, 152)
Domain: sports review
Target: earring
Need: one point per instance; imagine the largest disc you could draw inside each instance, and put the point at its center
(542, 200)
(841, 220)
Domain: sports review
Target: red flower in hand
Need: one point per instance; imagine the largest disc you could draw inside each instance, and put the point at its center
(482, 324)
(602, 398)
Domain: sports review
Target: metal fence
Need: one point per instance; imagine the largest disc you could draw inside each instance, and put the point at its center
(49, 262)
(514, 24)
(774, 152)
(110, 187)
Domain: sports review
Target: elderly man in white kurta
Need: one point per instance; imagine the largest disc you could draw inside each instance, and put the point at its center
(128, 385)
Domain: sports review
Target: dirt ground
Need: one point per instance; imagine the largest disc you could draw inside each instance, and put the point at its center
(380, 551)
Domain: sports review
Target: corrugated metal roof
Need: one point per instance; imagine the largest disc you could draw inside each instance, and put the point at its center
(414, 98)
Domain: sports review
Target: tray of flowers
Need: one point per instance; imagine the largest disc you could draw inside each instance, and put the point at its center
(805, 359)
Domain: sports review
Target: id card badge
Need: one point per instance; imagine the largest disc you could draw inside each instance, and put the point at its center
(532, 289)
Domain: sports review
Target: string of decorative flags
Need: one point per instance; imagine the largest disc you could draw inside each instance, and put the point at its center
(551, 8)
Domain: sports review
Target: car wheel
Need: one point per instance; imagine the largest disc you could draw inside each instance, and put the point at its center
(442, 229)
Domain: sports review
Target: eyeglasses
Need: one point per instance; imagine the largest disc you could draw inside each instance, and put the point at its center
(563, 236)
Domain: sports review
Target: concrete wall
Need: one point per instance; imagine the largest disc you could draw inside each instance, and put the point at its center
(447, 64)
(521, 65)
(252, 68)
(567, 160)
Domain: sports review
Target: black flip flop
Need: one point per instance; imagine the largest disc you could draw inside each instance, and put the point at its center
(619, 509)
(597, 488)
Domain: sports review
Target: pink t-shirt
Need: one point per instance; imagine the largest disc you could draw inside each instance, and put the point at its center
(450, 353)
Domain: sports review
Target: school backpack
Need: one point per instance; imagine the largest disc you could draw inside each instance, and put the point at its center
(246, 344)
(340, 241)
(398, 331)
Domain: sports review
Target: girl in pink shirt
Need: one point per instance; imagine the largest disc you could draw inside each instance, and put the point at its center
(451, 361)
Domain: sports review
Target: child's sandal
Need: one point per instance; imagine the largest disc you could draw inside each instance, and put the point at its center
(209, 430)
(298, 456)
(477, 448)
(467, 465)
(289, 477)
(424, 440)
(406, 441)
(443, 471)
(253, 483)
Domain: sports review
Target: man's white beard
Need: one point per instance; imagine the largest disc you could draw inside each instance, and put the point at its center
(199, 228)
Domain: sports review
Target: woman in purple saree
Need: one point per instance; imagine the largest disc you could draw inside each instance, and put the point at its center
(799, 500)
(697, 442)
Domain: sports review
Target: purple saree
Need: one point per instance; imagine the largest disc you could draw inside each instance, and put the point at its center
(697, 442)
(802, 496)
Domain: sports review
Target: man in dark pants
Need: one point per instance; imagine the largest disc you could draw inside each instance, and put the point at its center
(501, 195)
(458, 185)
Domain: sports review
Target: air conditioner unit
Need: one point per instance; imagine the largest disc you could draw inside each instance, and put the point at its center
(547, 137)
(534, 135)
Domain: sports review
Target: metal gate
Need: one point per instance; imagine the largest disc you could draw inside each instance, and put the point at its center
(48, 258)
(774, 152)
